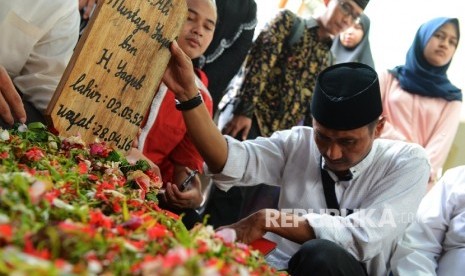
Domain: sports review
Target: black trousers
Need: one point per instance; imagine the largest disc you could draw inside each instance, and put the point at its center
(321, 258)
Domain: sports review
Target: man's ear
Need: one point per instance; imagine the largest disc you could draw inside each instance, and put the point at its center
(379, 127)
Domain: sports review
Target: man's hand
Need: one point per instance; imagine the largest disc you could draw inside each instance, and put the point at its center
(249, 228)
(289, 226)
(191, 198)
(134, 154)
(179, 76)
(135, 142)
(11, 105)
(88, 5)
(238, 124)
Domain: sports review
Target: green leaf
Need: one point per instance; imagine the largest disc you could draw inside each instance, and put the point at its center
(36, 126)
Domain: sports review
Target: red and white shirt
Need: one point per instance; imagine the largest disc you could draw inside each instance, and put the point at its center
(164, 139)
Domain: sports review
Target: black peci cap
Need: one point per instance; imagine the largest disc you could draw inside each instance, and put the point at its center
(362, 3)
(347, 96)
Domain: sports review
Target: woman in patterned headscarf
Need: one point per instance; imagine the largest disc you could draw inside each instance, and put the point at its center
(420, 104)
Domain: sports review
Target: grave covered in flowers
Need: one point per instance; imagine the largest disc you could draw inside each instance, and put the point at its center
(68, 208)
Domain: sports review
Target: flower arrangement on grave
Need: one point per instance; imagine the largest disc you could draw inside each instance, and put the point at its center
(67, 208)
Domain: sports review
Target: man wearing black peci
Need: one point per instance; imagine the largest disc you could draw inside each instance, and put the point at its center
(345, 195)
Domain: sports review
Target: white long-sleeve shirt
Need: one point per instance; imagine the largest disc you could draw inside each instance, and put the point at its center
(385, 190)
(37, 39)
(435, 243)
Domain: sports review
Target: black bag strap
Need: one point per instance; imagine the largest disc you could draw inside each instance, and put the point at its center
(297, 30)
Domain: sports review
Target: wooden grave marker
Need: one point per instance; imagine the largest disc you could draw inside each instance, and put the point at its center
(115, 70)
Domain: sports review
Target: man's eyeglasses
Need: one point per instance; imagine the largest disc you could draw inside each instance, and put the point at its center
(347, 9)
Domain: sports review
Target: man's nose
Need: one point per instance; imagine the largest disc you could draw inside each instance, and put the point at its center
(334, 151)
(197, 30)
